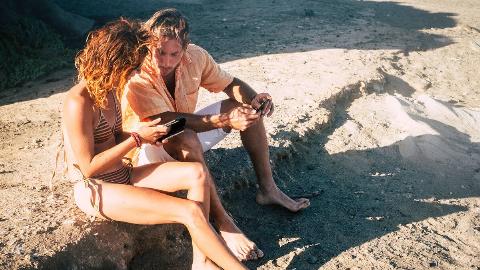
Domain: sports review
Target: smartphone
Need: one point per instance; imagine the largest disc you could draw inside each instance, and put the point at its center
(177, 126)
(262, 106)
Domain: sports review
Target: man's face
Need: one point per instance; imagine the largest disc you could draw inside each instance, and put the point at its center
(168, 53)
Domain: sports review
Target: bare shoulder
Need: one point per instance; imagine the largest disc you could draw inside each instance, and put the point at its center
(77, 101)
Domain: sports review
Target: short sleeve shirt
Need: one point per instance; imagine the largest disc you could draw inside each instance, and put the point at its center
(145, 94)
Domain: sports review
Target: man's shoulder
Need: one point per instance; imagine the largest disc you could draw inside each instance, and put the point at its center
(196, 52)
(195, 48)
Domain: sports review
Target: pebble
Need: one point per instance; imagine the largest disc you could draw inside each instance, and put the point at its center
(18, 249)
(68, 222)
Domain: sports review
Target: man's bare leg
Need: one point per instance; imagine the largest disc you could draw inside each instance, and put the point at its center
(254, 140)
(186, 147)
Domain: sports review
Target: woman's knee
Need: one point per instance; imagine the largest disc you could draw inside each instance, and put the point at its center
(193, 214)
(197, 173)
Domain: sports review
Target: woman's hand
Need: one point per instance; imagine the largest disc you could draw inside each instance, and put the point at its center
(151, 131)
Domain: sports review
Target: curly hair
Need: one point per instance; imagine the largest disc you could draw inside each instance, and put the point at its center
(111, 53)
(169, 23)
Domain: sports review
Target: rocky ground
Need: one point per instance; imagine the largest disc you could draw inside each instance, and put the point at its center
(377, 120)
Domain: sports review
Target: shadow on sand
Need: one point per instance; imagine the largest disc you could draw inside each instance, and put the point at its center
(232, 30)
(364, 194)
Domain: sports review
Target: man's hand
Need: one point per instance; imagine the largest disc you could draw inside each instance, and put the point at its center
(259, 99)
(151, 131)
(241, 118)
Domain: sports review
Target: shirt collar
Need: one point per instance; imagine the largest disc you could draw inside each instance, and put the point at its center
(187, 58)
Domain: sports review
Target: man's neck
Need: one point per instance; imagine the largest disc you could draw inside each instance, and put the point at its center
(170, 83)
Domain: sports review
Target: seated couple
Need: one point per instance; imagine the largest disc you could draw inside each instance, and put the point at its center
(150, 71)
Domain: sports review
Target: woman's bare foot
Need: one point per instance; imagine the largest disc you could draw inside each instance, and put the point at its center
(238, 243)
(276, 196)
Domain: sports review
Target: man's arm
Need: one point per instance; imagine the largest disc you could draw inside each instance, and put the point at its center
(198, 123)
(239, 118)
(243, 93)
(240, 91)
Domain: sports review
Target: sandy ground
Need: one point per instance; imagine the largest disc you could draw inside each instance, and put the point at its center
(377, 120)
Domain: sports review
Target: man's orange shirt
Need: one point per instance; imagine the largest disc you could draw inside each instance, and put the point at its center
(145, 93)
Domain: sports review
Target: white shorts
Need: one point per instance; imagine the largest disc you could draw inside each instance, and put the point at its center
(153, 153)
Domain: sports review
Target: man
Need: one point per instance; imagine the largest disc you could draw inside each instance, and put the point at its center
(167, 86)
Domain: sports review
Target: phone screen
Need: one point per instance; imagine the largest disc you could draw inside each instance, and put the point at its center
(177, 126)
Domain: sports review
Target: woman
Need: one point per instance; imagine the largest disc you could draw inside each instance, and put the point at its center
(96, 144)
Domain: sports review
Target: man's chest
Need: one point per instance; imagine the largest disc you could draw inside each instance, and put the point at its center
(185, 81)
(181, 90)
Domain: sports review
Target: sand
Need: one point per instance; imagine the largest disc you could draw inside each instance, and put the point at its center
(377, 119)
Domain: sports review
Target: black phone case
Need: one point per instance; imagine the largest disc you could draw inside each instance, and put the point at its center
(177, 126)
(262, 106)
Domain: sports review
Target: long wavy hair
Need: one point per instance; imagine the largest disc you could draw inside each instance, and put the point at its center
(111, 53)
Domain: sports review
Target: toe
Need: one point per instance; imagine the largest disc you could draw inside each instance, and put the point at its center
(255, 253)
(239, 253)
(259, 252)
(252, 255)
(302, 203)
(306, 204)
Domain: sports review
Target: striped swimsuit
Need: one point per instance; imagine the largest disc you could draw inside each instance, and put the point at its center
(102, 133)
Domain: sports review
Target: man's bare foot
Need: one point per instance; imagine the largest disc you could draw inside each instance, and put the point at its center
(238, 243)
(276, 196)
(204, 265)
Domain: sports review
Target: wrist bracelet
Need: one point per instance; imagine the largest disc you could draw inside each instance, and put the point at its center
(136, 138)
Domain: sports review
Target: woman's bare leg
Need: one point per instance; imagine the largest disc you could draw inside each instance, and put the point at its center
(140, 206)
(189, 176)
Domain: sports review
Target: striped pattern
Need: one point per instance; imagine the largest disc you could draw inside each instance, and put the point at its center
(103, 132)
(120, 176)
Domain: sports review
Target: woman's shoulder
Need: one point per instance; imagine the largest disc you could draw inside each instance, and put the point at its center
(77, 98)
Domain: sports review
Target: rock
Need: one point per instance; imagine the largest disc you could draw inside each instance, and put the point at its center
(113, 245)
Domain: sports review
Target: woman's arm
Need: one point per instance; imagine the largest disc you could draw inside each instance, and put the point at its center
(124, 135)
(79, 118)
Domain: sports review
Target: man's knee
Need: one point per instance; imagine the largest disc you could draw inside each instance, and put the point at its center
(229, 104)
(185, 146)
(189, 141)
